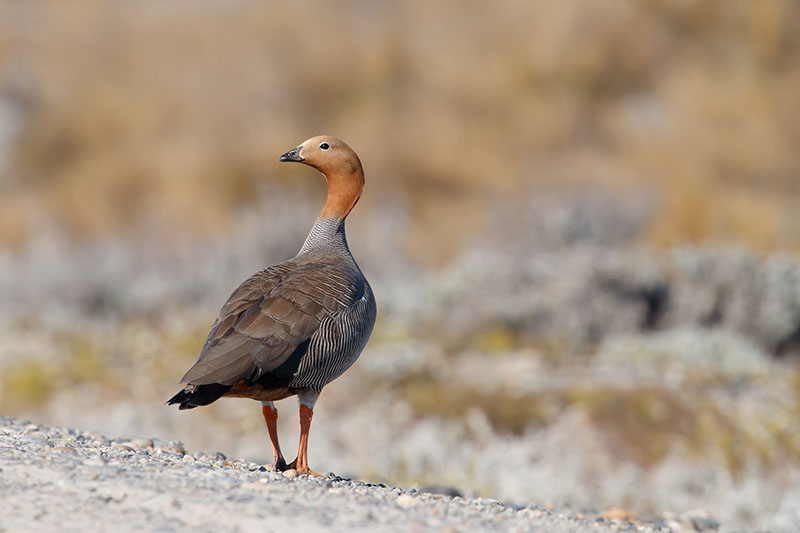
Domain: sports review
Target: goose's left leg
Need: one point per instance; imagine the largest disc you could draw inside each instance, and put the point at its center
(307, 401)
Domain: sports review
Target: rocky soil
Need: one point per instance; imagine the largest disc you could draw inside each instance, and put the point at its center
(68, 480)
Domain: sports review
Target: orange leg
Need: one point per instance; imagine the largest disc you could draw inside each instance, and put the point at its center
(271, 418)
(301, 463)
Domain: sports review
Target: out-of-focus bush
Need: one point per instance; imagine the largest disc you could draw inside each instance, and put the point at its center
(166, 116)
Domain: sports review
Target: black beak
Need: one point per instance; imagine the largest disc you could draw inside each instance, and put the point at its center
(291, 155)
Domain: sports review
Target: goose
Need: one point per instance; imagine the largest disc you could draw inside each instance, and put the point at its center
(294, 327)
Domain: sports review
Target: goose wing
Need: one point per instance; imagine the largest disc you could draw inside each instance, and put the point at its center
(270, 316)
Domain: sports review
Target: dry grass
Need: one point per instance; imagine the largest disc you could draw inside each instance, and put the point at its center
(507, 412)
(160, 116)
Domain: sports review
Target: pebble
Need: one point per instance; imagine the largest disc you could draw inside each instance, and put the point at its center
(405, 501)
(177, 447)
(65, 449)
(441, 489)
(701, 520)
(290, 473)
(616, 514)
(142, 443)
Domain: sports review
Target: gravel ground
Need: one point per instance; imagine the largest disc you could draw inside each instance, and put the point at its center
(67, 480)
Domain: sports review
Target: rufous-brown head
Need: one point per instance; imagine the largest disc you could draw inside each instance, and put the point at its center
(341, 167)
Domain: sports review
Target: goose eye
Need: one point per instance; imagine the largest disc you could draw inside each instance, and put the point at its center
(324, 146)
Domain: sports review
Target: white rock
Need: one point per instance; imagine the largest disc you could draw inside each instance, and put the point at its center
(405, 501)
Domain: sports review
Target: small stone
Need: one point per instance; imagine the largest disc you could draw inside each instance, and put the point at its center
(177, 447)
(405, 501)
(219, 456)
(142, 443)
(677, 523)
(290, 473)
(121, 446)
(619, 515)
(188, 459)
(65, 449)
(440, 489)
(701, 520)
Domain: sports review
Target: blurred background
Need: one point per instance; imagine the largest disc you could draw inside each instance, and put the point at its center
(580, 221)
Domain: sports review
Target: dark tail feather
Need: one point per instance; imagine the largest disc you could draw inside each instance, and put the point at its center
(200, 395)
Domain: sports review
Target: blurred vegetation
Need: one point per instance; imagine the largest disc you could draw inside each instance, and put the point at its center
(167, 116)
(640, 424)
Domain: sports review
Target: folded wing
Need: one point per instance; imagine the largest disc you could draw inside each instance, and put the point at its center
(269, 316)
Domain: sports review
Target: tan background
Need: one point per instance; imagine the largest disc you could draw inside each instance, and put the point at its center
(171, 115)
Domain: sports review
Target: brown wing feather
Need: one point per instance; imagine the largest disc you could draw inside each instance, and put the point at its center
(267, 317)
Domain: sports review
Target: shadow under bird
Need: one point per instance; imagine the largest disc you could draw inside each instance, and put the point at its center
(294, 327)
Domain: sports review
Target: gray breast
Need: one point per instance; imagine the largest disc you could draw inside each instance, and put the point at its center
(338, 342)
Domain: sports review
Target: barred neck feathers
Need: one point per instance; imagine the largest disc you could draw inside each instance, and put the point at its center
(326, 235)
